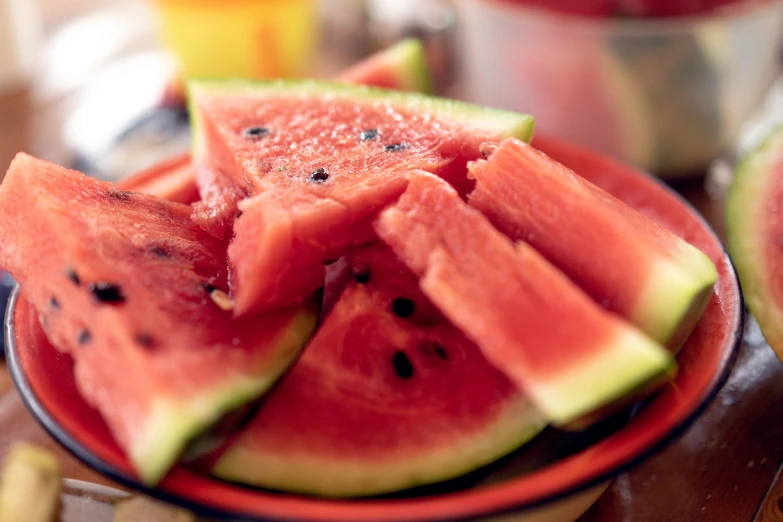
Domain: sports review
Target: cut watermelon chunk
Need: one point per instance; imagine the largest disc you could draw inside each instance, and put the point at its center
(387, 396)
(173, 180)
(617, 255)
(125, 283)
(530, 321)
(755, 234)
(402, 66)
(318, 160)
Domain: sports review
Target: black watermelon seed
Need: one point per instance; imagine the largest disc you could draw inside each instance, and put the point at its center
(361, 276)
(435, 349)
(403, 307)
(368, 134)
(402, 365)
(107, 292)
(144, 340)
(209, 288)
(73, 276)
(396, 147)
(54, 304)
(255, 132)
(120, 195)
(159, 252)
(320, 175)
(238, 214)
(84, 337)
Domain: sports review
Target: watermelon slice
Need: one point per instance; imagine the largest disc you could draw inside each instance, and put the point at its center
(402, 66)
(128, 285)
(317, 161)
(617, 255)
(388, 395)
(754, 229)
(530, 321)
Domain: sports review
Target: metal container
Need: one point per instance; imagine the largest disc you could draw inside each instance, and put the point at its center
(664, 94)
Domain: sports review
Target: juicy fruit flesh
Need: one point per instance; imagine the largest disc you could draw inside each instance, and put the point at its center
(402, 66)
(324, 171)
(467, 268)
(753, 225)
(119, 280)
(380, 402)
(621, 258)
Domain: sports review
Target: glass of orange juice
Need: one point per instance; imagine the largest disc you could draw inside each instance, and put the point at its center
(240, 38)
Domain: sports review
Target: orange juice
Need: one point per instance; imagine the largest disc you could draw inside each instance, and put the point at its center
(240, 38)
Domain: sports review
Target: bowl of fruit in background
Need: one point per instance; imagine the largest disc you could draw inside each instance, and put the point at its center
(664, 85)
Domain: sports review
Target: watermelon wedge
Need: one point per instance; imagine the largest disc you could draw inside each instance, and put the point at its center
(129, 286)
(317, 161)
(402, 66)
(754, 230)
(530, 321)
(621, 258)
(388, 395)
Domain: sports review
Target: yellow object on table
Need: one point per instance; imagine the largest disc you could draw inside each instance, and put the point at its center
(240, 38)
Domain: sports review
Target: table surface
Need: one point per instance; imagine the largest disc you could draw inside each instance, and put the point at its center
(724, 468)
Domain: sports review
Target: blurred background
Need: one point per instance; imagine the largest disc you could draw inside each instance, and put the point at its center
(667, 85)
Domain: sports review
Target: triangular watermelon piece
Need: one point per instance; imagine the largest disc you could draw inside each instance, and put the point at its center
(316, 161)
(530, 321)
(130, 287)
(402, 66)
(387, 396)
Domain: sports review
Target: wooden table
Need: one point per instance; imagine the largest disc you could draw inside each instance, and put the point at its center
(723, 468)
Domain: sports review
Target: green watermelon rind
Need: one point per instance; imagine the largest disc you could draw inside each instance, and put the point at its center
(682, 287)
(174, 423)
(519, 423)
(483, 119)
(746, 216)
(627, 364)
(414, 71)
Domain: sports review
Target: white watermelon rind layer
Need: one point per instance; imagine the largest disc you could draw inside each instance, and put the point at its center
(473, 117)
(677, 291)
(746, 220)
(341, 476)
(173, 423)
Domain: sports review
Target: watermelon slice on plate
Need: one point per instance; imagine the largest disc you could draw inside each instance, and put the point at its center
(550, 338)
(130, 287)
(621, 258)
(387, 396)
(316, 161)
(45, 380)
(402, 66)
(755, 231)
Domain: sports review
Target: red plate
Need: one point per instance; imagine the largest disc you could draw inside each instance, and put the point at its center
(44, 379)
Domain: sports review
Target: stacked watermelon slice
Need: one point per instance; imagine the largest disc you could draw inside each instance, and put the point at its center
(473, 291)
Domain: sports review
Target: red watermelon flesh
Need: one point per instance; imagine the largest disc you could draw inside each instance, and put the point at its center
(123, 282)
(402, 66)
(387, 396)
(173, 180)
(530, 321)
(318, 160)
(621, 258)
